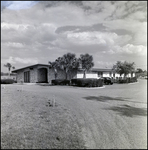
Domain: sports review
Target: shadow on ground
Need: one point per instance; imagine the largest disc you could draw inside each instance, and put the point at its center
(124, 110)
(107, 98)
(103, 98)
(129, 111)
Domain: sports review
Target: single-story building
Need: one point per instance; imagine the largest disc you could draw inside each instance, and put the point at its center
(97, 73)
(6, 76)
(40, 73)
(43, 73)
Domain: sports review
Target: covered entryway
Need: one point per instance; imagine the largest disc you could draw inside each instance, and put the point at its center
(42, 75)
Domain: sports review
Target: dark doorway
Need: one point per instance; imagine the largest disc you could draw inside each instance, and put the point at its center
(27, 77)
(42, 75)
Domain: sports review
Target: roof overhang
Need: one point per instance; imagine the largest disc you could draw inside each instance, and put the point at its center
(15, 71)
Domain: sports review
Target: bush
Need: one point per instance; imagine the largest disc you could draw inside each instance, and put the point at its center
(7, 81)
(127, 80)
(60, 82)
(87, 82)
(133, 79)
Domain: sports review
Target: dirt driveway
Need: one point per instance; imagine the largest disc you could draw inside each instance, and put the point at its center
(113, 117)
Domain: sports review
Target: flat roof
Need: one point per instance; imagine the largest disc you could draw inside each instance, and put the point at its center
(101, 69)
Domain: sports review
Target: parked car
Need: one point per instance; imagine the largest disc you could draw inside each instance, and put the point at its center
(107, 80)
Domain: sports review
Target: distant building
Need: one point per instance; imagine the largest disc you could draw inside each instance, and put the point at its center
(6, 76)
(42, 73)
(97, 73)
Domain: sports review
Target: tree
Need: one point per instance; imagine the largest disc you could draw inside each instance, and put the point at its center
(87, 63)
(68, 62)
(124, 67)
(9, 66)
(54, 65)
(139, 70)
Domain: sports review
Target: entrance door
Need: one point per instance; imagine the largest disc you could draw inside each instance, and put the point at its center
(27, 77)
(42, 75)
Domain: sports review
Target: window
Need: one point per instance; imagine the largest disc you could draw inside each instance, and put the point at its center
(27, 76)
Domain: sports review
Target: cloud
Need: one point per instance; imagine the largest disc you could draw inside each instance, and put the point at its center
(30, 35)
(137, 29)
(132, 49)
(105, 64)
(8, 26)
(129, 49)
(108, 30)
(16, 5)
(15, 60)
(13, 44)
(99, 38)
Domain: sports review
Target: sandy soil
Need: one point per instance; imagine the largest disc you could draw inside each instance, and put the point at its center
(114, 117)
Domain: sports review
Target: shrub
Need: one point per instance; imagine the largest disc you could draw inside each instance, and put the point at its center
(60, 82)
(87, 82)
(127, 80)
(7, 81)
(133, 79)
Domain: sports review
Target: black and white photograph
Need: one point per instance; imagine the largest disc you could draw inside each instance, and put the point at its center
(73, 74)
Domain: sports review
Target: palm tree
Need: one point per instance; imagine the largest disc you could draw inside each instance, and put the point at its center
(124, 67)
(68, 62)
(54, 65)
(86, 61)
(9, 66)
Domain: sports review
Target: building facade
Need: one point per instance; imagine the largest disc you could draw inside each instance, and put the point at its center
(42, 73)
(98, 73)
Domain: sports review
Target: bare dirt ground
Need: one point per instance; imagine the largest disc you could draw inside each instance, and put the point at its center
(114, 117)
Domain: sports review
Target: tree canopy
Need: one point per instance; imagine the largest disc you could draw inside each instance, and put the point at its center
(124, 67)
(86, 61)
(67, 62)
(9, 66)
(54, 65)
(139, 70)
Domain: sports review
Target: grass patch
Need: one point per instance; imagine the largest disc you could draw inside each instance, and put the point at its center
(32, 124)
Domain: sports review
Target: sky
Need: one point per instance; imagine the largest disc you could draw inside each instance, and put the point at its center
(41, 31)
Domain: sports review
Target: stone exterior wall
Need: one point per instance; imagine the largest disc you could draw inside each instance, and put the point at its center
(51, 75)
(33, 75)
(61, 74)
(20, 76)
